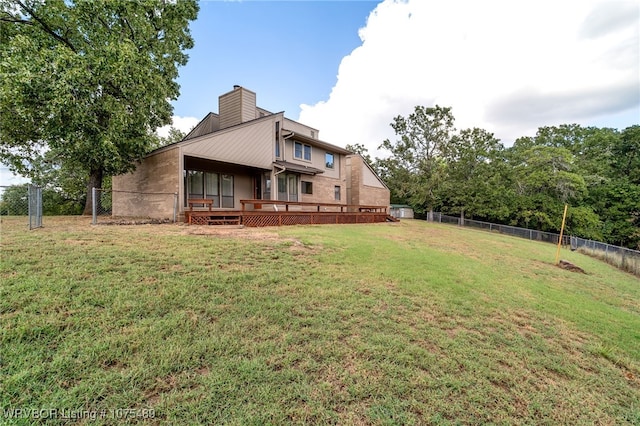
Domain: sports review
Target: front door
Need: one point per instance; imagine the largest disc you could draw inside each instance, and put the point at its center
(292, 185)
(287, 187)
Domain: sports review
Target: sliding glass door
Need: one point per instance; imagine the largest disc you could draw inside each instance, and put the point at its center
(210, 185)
(288, 187)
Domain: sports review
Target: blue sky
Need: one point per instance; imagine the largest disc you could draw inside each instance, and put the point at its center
(288, 52)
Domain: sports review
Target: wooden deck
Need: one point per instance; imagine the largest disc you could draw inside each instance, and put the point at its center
(257, 213)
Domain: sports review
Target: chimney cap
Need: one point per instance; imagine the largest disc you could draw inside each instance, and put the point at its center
(236, 86)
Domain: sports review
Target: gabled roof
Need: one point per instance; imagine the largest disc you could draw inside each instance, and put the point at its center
(208, 124)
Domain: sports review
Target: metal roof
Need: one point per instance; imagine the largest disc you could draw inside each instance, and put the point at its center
(297, 168)
(307, 139)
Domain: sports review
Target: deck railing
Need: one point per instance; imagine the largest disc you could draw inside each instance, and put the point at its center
(278, 213)
(299, 206)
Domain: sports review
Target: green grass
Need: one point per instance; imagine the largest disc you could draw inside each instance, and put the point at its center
(409, 323)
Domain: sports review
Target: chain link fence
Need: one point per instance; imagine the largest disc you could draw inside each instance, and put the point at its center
(530, 234)
(22, 200)
(131, 207)
(620, 257)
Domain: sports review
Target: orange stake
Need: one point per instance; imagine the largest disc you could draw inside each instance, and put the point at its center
(564, 217)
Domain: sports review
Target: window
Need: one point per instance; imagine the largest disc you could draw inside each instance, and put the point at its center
(292, 183)
(266, 194)
(328, 159)
(307, 187)
(336, 190)
(313, 134)
(302, 151)
(282, 187)
(227, 190)
(287, 187)
(195, 184)
(277, 139)
(213, 186)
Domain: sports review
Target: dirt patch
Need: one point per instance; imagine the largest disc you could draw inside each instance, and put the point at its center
(145, 221)
(232, 232)
(252, 234)
(564, 264)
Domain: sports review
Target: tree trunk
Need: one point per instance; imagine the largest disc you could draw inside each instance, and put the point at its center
(461, 217)
(95, 181)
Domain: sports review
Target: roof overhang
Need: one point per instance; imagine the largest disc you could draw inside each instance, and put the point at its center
(296, 168)
(311, 141)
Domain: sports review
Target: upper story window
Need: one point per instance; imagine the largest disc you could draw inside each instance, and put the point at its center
(277, 137)
(328, 160)
(301, 151)
(313, 134)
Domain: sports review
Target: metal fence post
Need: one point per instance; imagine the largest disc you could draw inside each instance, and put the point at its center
(29, 202)
(39, 207)
(34, 205)
(94, 206)
(175, 206)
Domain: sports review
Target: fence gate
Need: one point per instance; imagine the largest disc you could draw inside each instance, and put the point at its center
(35, 207)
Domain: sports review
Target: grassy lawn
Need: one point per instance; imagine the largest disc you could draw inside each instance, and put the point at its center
(407, 323)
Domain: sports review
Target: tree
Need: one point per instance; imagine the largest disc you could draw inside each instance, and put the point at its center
(617, 197)
(473, 184)
(626, 154)
(175, 135)
(87, 83)
(416, 161)
(544, 179)
(609, 163)
(362, 150)
(14, 200)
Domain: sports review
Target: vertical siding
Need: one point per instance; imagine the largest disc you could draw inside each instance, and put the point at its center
(248, 105)
(236, 107)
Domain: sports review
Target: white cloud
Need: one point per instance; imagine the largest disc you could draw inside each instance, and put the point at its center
(7, 178)
(508, 67)
(184, 124)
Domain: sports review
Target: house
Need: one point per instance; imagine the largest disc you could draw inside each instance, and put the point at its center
(245, 152)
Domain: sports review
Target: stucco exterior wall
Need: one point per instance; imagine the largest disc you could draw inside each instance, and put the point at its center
(150, 187)
(300, 128)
